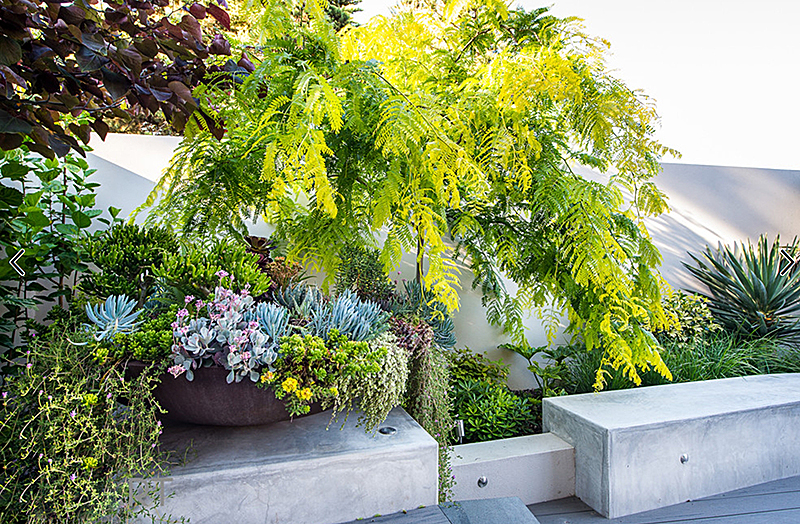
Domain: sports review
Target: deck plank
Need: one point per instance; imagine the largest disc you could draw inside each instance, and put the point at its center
(426, 515)
(777, 501)
(783, 485)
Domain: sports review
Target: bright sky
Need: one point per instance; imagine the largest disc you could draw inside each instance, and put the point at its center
(725, 74)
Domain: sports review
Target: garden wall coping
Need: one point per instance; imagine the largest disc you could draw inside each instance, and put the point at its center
(535, 468)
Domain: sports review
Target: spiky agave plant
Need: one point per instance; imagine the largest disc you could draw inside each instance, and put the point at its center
(358, 319)
(749, 292)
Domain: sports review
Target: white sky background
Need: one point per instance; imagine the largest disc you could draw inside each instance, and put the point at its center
(725, 74)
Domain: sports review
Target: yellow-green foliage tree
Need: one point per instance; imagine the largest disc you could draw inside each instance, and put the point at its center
(463, 119)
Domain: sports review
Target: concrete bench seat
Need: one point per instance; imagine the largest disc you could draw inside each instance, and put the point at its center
(300, 471)
(646, 448)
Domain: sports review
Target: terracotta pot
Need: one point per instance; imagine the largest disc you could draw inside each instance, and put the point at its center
(210, 401)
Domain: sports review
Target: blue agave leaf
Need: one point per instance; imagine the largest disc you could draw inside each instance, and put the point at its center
(116, 315)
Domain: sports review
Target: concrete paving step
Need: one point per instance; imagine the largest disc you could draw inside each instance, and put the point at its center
(508, 510)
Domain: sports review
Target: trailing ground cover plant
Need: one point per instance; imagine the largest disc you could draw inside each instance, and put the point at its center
(341, 373)
(428, 397)
(749, 294)
(457, 119)
(73, 433)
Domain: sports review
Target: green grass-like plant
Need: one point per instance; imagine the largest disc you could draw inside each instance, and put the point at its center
(719, 355)
(749, 294)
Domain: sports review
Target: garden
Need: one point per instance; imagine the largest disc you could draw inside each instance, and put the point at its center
(448, 132)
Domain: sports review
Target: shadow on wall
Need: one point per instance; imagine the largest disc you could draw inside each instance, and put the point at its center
(717, 204)
(119, 187)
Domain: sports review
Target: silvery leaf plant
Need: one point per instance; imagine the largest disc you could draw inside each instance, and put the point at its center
(226, 331)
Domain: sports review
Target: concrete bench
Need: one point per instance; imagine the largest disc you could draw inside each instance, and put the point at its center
(646, 448)
(300, 472)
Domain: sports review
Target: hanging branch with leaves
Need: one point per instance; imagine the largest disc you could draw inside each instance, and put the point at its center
(457, 120)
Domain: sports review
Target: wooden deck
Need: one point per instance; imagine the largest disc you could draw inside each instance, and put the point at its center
(771, 503)
(775, 502)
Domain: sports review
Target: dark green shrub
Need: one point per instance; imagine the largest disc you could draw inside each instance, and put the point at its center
(47, 208)
(68, 445)
(126, 257)
(749, 295)
(550, 370)
(491, 411)
(362, 272)
(466, 365)
(194, 269)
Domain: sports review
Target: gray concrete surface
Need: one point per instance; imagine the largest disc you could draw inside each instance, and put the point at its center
(300, 471)
(629, 445)
(534, 468)
(506, 510)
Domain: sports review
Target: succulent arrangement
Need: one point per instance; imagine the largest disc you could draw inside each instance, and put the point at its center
(223, 336)
(350, 316)
(339, 372)
(414, 303)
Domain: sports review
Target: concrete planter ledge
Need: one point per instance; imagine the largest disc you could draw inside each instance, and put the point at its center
(535, 468)
(646, 448)
(299, 472)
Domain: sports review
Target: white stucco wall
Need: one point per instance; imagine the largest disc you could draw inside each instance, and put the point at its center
(709, 204)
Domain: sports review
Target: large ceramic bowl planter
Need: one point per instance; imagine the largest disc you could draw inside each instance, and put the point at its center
(209, 400)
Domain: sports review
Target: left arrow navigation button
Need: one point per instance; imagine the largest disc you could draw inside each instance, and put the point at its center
(13, 262)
